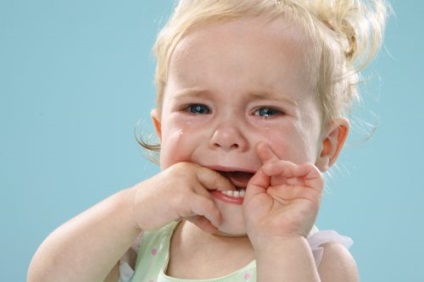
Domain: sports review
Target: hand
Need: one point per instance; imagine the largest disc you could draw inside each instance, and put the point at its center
(180, 192)
(282, 198)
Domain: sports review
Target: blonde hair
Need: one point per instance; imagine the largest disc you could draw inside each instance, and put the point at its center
(346, 34)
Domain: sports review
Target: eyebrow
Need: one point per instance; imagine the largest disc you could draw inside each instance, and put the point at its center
(272, 95)
(199, 92)
(190, 92)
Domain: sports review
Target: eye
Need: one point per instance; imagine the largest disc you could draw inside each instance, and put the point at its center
(198, 109)
(267, 112)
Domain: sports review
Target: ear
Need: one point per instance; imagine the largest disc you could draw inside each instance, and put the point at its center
(154, 114)
(333, 140)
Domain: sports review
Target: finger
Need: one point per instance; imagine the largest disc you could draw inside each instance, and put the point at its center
(206, 208)
(312, 176)
(203, 223)
(257, 184)
(260, 180)
(285, 195)
(306, 174)
(265, 153)
(213, 180)
(280, 168)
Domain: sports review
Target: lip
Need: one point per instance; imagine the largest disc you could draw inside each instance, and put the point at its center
(225, 171)
(238, 176)
(229, 169)
(227, 199)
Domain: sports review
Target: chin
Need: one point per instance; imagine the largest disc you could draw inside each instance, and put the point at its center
(231, 232)
(232, 220)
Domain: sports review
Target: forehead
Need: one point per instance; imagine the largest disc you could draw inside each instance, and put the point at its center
(257, 31)
(247, 50)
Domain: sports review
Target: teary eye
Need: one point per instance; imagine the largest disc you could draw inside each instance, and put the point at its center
(266, 112)
(198, 109)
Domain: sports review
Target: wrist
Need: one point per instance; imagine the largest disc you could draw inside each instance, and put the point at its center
(289, 257)
(281, 242)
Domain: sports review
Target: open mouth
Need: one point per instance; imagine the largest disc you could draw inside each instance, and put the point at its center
(240, 180)
(235, 194)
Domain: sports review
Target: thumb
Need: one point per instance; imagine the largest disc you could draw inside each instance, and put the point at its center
(213, 180)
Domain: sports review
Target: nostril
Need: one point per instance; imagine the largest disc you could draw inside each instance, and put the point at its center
(228, 138)
(230, 146)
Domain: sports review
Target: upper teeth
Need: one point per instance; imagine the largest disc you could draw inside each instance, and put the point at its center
(235, 193)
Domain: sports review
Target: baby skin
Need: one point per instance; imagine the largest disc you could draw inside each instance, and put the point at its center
(239, 113)
(279, 206)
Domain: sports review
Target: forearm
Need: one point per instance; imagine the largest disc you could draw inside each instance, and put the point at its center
(285, 259)
(87, 247)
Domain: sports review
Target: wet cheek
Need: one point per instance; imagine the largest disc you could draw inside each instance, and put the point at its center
(178, 144)
(279, 146)
(172, 150)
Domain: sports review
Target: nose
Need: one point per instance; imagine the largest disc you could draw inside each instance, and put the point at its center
(228, 137)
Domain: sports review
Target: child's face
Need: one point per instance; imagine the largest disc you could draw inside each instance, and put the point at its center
(231, 86)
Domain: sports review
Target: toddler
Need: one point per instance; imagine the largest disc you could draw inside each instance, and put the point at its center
(252, 105)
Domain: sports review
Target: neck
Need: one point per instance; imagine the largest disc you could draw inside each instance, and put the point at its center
(193, 234)
(196, 250)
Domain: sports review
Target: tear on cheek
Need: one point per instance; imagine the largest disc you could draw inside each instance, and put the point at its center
(175, 136)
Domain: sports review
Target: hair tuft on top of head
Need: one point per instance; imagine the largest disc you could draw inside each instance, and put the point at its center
(358, 24)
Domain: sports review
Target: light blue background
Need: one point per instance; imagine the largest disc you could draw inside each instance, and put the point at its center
(77, 76)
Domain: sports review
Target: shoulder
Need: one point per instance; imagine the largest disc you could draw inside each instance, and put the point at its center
(337, 264)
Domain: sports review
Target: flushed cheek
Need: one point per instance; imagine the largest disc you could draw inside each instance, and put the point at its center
(171, 140)
(287, 146)
(178, 145)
